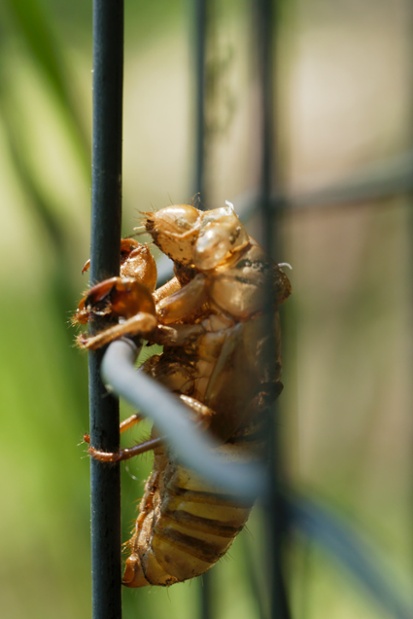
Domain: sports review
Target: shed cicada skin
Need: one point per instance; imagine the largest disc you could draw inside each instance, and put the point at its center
(209, 319)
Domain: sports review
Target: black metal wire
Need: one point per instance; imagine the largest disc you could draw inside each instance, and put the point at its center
(321, 525)
(106, 214)
(274, 511)
(105, 246)
(379, 181)
(375, 183)
(200, 29)
(200, 188)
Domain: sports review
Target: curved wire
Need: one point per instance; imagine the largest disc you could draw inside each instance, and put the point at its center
(193, 448)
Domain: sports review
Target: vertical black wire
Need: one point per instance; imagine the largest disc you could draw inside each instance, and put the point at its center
(409, 19)
(105, 245)
(200, 18)
(200, 42)
(266, 14)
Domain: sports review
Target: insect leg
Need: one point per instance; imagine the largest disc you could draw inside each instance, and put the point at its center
(167, 289)
(125, 454)
(118, 297)
(129, 422)
(202, 412)
(124, 425)
(140, 324)
(183, 302)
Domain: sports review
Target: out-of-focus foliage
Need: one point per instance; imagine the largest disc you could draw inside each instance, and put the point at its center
(344, 102)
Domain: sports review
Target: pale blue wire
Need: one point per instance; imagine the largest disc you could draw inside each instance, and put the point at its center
(190, 446)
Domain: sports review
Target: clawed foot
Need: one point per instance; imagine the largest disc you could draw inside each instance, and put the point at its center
(122, 454)
(118, 297)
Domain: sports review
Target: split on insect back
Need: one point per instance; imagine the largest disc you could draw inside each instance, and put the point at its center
(211, 322)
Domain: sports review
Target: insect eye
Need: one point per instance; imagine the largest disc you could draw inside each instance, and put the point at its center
(219, 238)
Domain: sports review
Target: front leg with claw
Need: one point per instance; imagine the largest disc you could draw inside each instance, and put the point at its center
(120, 297)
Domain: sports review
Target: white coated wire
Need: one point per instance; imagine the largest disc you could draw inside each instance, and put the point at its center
(190, 446)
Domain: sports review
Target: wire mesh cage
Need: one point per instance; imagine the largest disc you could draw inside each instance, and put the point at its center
(299, 114)
(214, 107)
(105, 226)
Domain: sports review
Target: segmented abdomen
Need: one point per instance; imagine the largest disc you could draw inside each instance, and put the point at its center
(184, 525)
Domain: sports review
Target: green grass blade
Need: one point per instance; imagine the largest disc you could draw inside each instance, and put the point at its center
(47, 54)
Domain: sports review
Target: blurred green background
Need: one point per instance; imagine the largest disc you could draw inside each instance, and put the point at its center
(345, 91)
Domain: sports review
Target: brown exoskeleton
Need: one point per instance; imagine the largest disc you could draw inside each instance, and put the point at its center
(209, 318)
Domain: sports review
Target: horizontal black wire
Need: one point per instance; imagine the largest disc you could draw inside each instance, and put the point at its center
(381, 181)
